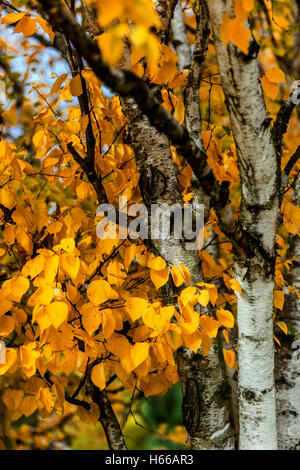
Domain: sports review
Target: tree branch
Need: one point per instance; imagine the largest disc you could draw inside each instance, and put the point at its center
(282, 120)
(292, 161)
(109, 421)
(127, 84)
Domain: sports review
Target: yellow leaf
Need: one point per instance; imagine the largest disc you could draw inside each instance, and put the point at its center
(76, 86)
(51, 267)
(118, 345)
(83, 190)
(34, 267)
(269, 88)
(225, 317)
(186, 274)
(129, 256)
(9, 234)
(91, 318)
(46, 27)
(28, 406)
(194, 341)
(277, 340)
(70, 264)
(179, 112)
(209, 325)
(157, 264)
(177, 276)
(139, 352)
(276, 75)
(278, 299)
(136, 307)
(38, 139)
(57, 313)
(55, 227)
(187, 294)
(11, 357)
(26, 25)
(159, 278)
(209, 266)
(58, 82)
(212, 290)
(229, 357)
(7, 325)
(46, 295)
(12, 18)
(233, 29)
(98, 376)
(115, 273)
(282, 325)
(12, 398)
(235, 285)
(174, 336)
(203, 297)
(248, 5)
(206, 343)
(99, 292)
(15, 288)
(291, 218)
(46, 399)
(68, 245)
(226, 336)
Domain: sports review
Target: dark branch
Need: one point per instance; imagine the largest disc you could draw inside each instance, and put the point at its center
(292, 161)
(282, 121)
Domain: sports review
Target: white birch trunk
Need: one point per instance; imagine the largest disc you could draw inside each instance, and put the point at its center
(287, 370)
(259, 208)
(179, 38)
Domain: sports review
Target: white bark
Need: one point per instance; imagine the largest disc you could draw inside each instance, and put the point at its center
(259, 208)
(287, 370)
(179, 38)
(256, 365)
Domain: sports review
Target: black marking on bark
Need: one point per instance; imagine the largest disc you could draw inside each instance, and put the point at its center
(191, 407)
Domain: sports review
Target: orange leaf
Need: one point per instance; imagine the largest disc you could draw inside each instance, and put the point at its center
(229, 357)
(12, 18)
(98, 376)
(276, 75)
(139, 352)
(282, 325)
(270, 88)
(278, 299)
(159, 278)
(76, 86)
(209, 325)
(99, 292)
(177, 276)
(57, 313)
(225, 318)
(157, 264)
(136, 307)
(26, 25)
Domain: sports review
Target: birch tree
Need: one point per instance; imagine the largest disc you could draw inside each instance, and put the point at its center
(194, 115)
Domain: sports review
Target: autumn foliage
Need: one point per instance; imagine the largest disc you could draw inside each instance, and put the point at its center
(78, 313)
